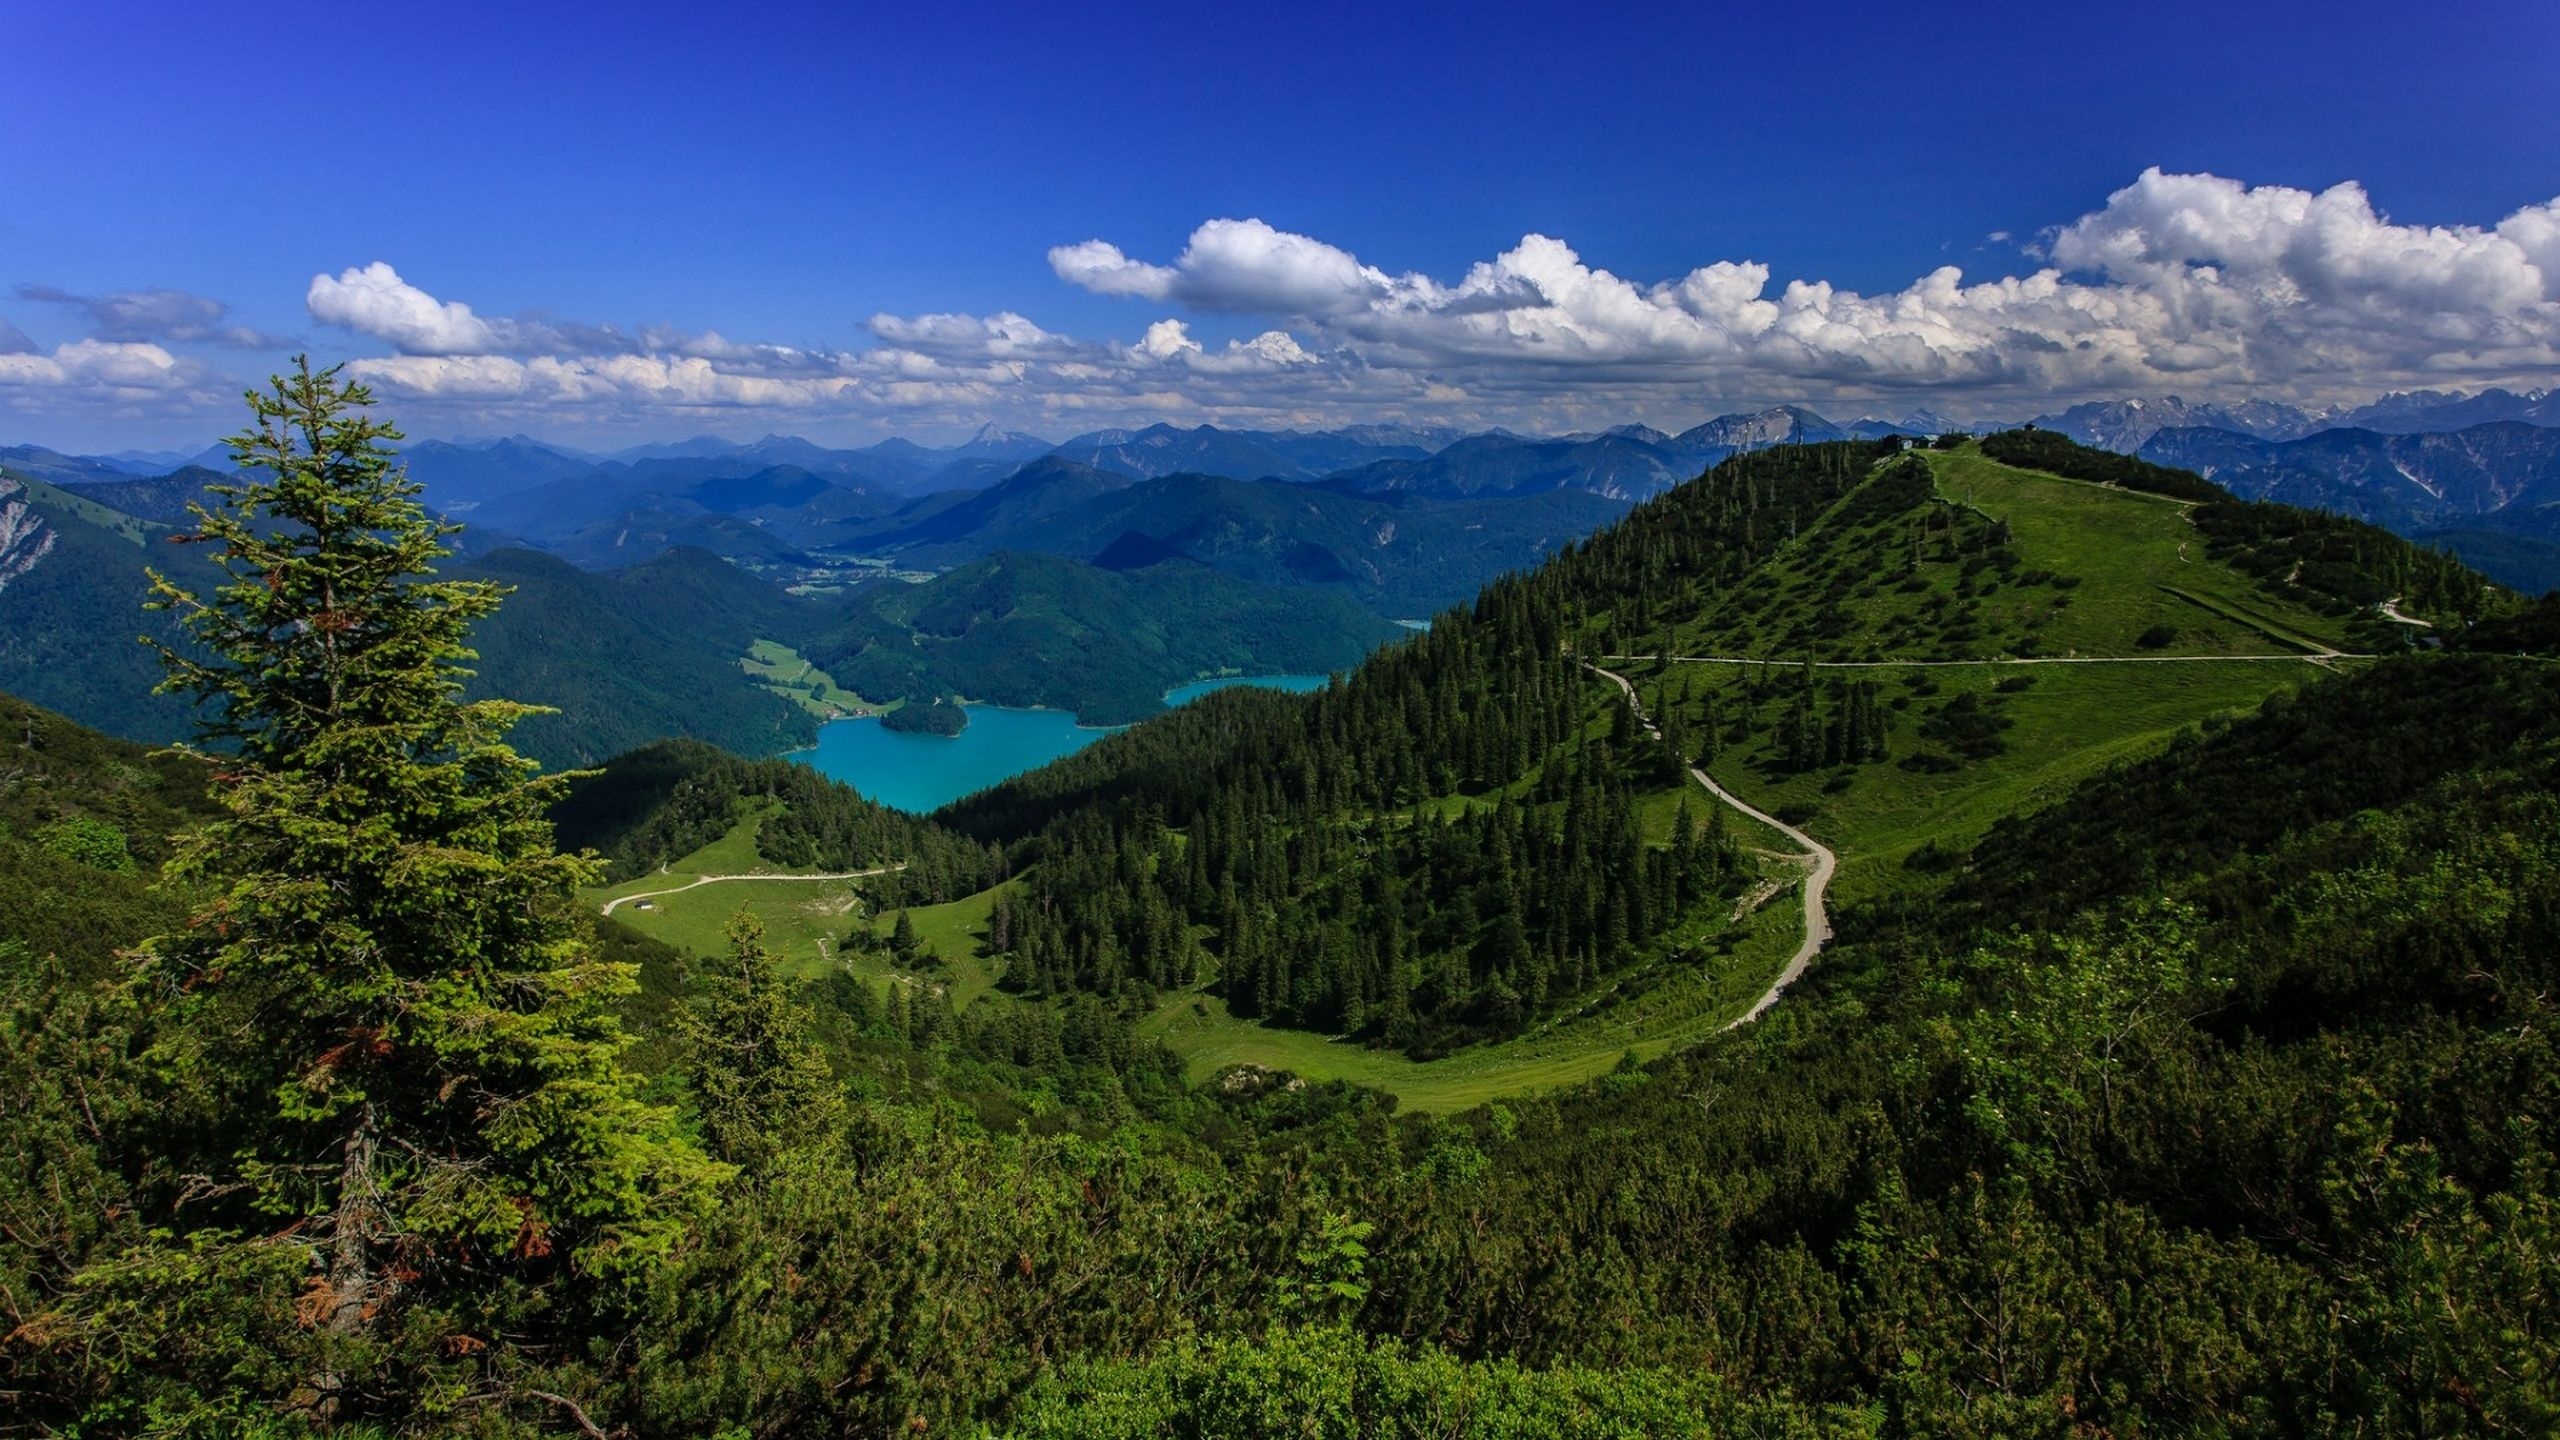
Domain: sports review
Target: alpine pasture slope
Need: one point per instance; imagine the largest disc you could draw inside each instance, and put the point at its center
(1937, 642)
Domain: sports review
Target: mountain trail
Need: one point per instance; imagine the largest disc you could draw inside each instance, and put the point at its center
(2313, 658)
(1820, 862)
(2391, 611)
(619, 900)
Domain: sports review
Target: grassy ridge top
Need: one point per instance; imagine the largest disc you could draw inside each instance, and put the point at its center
(1946, 607)
(1955, 556)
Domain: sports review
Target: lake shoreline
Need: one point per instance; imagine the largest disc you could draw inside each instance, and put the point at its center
(920, 772)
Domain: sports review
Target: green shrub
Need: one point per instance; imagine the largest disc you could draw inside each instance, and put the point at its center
(93, 843)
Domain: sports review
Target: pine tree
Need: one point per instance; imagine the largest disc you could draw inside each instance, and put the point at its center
(1000, 926)
(764, 1089)
(389, 999)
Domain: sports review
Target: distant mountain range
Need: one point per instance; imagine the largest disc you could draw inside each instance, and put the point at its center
(1403, 519)
(2491, 493)
(1403, 555)
(654, 648)
(2128, 425)
(1119, 561)
(462, 474)
(2404, 481)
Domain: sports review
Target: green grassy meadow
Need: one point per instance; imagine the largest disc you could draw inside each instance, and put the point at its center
(794, 677)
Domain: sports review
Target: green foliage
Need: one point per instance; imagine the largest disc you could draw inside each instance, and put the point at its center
(2100, 1176)
(635, 655)
(84, 841)
(2342, 565)
(937, 716)
(913, 1276)
(2088, 1021)
(84, 822)
(2325, 559)
(2056, 454)
(665, 801)
(2533, 629)
(763, 1088)
(1330, 1383)
(1330, 1264)
(2372, 739)
(393, 1054)
(2210, 1095)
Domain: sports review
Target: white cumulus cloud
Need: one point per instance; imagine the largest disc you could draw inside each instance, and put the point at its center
(98, 364)
(1167, 338)
(2193, 280)
(2197, 284)
(373, 300)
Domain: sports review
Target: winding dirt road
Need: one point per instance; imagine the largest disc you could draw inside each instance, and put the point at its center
(1822, 863)
(2308, 657)
(619, 900)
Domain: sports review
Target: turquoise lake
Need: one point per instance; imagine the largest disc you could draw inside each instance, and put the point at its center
(926, 772)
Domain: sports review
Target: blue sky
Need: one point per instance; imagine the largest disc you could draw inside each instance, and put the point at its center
(672, 219)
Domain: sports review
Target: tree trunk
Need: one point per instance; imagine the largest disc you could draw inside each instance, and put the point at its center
(355, 1227)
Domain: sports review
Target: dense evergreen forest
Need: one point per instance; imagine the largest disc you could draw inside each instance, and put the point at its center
(2209, 1096)
(1023, 628)
(676, 796)
(1446, 848)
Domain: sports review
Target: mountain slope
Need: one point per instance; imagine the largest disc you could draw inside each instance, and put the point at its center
(1618, 467)
(1030, 629)
(1403, 556)
(1892, 650)
(2507, 473)
(85, 824)
(72, 587)
(2127, 425)
(460, 477)
(35, 462)
(1026, 502)
(2185, 1065)
(1166, 450)
(642, 654)
(2423, 411)
(1781, 425)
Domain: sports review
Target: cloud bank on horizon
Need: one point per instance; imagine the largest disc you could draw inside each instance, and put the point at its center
(2194, 284)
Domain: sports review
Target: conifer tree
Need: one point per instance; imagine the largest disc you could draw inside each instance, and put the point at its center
(389, 1000)
(765, 1090)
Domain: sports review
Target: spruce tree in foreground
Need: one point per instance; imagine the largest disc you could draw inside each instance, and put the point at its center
(389, 999)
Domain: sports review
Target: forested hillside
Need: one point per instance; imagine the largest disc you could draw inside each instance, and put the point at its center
(666, 800)
(1033, 629)
(72, 584)
(637, 654)
(2187, 1071)
(1403, 556)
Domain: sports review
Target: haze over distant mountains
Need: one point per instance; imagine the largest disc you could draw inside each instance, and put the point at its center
(1403, 518)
